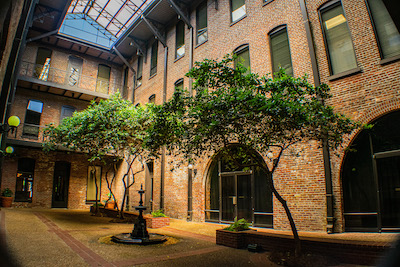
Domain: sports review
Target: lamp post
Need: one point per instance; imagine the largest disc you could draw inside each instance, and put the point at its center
(12, 123)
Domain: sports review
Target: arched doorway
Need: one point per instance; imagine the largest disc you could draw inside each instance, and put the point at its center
(371, 177)
(238, 189)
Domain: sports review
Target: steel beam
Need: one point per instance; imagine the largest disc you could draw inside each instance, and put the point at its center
(183, 15)
(156, 30)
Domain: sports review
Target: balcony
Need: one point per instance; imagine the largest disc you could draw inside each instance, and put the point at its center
(69, 83)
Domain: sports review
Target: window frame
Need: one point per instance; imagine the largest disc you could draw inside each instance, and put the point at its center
(378, 41)
(24, 134)
(326, 7)
(202, 5)
(271, 34)
(139, 70)
(63, 108)
(241, 49)
(179, 29)
(99, 79)
(231, 12)
(152, 98)
(177, 83)
(154, 58)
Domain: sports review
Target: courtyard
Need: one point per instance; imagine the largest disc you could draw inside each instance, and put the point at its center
(60, 237)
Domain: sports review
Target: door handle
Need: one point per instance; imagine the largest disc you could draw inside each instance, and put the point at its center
(397, 189)
(234, 200)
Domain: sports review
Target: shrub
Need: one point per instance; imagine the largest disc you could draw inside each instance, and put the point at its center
(158, 213)
(239, 225)
(7, 192)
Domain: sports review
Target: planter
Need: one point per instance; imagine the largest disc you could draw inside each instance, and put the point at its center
(232, 239)
(110, 205)
(6, 202)
(156, 222)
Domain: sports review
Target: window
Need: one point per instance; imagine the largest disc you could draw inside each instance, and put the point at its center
(385, 30)
(139, 71)
(94, 181)
(201, 23)
(179, 85)
(154, 54)
(152, 99)
(103, 79)
(125, 87)
(338, 42)
(32, 118)
(42, 66)
(24, 183)
(280, 50)
(243, 57)
(74, 70)
(238, 10)
(180, 39)
(66, 111)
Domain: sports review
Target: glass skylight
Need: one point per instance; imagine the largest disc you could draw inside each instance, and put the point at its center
(101, 21)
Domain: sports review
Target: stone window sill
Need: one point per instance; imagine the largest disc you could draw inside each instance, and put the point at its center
(344, 74)
(390, 60)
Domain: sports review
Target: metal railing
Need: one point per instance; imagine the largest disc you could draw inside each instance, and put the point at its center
(68, 78)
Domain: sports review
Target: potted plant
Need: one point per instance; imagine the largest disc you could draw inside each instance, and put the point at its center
(157, 219)
(234, 235)
(6, 198)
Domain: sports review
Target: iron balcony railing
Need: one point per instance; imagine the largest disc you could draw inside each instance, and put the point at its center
(71, 78)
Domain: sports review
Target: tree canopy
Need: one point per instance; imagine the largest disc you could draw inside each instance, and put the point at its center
(263, 114)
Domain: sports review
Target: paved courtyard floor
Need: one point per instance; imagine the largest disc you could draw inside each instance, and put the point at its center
(59, 237)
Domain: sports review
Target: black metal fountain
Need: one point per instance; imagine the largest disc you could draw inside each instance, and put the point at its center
(139, 234)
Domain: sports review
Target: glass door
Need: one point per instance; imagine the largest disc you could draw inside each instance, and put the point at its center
(236, 197)
(389, 186)
(228, 198)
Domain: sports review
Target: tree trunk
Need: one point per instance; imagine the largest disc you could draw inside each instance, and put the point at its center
(297, 242)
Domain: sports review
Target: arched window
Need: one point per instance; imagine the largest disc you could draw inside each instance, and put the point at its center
(243, 56)
(179, 84)
(152, 99)
(371, 177)
(280, 50)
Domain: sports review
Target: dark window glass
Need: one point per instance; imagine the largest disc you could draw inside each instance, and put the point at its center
(179, 84)
(66, 111)
(103, 79)
(201, 23)
(180, 39)
(243, 56)
(238, 9)
(125, 87)
(280, 51)
(139, 71)
(386, 31)
(74, 70)
(338, 40)
(32, 118)
(154, 56)
(152, 99)
(24, 182)
(42, 67)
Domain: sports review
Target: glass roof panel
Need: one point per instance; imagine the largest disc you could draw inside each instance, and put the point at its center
(101, 22)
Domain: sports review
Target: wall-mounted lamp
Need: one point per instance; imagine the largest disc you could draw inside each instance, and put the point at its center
(13, 123)
(9, 150)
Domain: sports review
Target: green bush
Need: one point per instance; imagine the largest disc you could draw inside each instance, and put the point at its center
(239, 225)
(158, 213)
(7, 192)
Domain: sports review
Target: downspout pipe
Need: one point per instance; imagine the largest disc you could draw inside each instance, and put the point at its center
(325, 147)
(162, 178)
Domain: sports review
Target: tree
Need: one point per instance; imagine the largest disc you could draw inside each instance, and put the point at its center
(255, 113)
(110, 131)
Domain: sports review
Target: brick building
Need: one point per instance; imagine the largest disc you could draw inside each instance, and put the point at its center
(353, 46)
